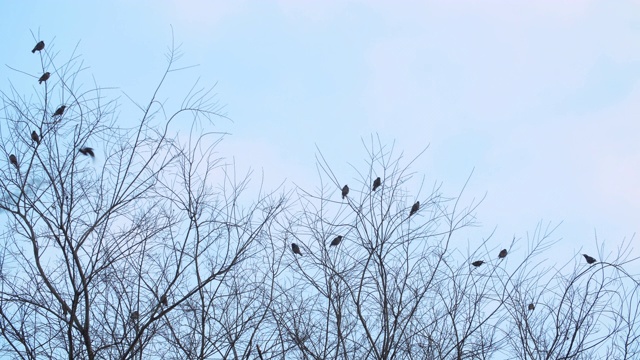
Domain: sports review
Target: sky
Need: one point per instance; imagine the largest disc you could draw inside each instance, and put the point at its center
(539, 99)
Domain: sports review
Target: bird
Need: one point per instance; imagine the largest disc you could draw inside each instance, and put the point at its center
(135, 315)
(163, 300)
(44, 77)
(477, 263)
(414, 208)
(531, 307)
(376, 183)
(296, 249)
(39, 46)
(503, 254)
(87, 151)
(14, 161)
(35, 137)
(345, 191)
(336, 241)
(589, 259)
(59, 111)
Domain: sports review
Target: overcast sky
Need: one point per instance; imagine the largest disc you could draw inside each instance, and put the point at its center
(540, 97)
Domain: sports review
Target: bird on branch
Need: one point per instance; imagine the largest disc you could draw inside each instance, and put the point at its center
(59, 111)
(503, 254)
(376, 183)
(35, 137)
(477, 263)
(336, 241)
(296, 249)
(345, 191)
(44, 77)
(414, 208)
(39, 47)
(589, 259)
(134, 316)
(14, 161)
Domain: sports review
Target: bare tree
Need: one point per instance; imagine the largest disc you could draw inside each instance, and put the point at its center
(133, 254)
(134, 239)
(398, 285)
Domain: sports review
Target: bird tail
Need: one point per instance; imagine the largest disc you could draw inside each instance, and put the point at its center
(33, 51)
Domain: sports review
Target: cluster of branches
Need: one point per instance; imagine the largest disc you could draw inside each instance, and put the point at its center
(153, 249)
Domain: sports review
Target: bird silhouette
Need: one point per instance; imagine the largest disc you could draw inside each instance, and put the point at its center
(39, 46)
(336, 241)
(589, 259)
(35, 137)
(503, 254)
(376, 183)
(296, 249)
(14, 161)
(531, 307)
(477, 263)
(87, 151)
(59, 111)
(44, 77)
(345, 191)
(163, 300)
(134, 316)
(414, 208)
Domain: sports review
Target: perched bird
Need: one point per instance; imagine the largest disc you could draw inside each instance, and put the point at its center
(87, 151)
(345, 191)
(44, 77)
(531, 307)
(296, 249)
(376, 183)
(14, 161)
(477, 263)
(414, 208)
(134, 316)
(589, 259)
(163, 300)
(59, 111)
(503, 254)
(39, 46)
(336, 241)
(35, 137)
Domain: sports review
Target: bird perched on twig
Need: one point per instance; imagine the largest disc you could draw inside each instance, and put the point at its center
(87, 151)
(14, 161)
(503, 254)
(376, 183)
(134, 316)
(44, 77)
(589, 259)
(414, 208)
(59, 111)
(477, 263)
(39, 47)
(531, 307)
(345, 191)
(163, 300)
(336, 241)
(35, 137)
(296, 249)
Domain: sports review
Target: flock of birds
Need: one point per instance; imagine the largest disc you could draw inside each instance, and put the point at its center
(414, 209)
(87, 151)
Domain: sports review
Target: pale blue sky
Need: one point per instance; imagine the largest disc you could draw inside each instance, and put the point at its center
(541, 97)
